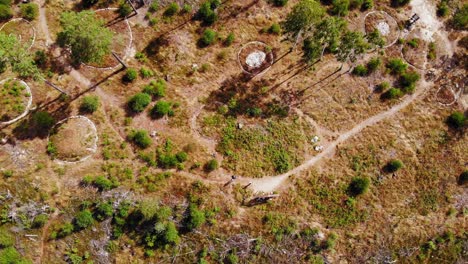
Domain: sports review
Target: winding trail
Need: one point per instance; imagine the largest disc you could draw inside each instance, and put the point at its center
(43, 23)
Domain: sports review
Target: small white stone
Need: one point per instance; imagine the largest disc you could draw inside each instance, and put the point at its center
(255, 59)
(383, 28)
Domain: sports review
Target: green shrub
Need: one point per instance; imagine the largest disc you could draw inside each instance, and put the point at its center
(11, 256)
(89, 104)
(460, 18)
(279, 3)
(195, 218)
(187, 9)
(442, 9)
(140, 138)
(358, 186)
(7, 173)
(65, 230)
(393, 93)
(146, 73)
(229, 39)
(456, 120)
(373, 64)
(211, 165)
(340, 7)
(160, 109)
(208, 37)
(84, 219)
(103, 184)
(394, 165)
(414, 43)
(40, 220)
(6, 240)
(360, 70)
(399, 3)
(172, 9)
(463, 178)
(139, 102)
(104, 210)
(5, 12)
(182, 156)
(130, 75)
(354, 4)
(29, 11)
(154, 6)
(408, 81)
(207, 14)
(431, 54)
(382, 87)
(367, 4)
(156, 89)
(275, 29)
(124, 9)
(397, 66)
(42, 121)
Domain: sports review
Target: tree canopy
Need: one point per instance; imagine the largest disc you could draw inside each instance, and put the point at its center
(304, 16)
(15, 56)
(86, 35)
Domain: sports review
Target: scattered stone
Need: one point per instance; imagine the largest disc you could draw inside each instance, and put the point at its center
(3, 141)
(318, 148)
(240, 125)
(383, 28)
(153, 133)
(315, 139)
(255, 59)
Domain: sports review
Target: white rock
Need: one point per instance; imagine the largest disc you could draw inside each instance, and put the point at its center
(255, 59)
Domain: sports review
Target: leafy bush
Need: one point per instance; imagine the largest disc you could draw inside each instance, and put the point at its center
(172, 9)
(104, 210)
(5, 12)
(456, 120)
(408, 81)
(195, 218)
(156, 89)
(146, 73)
(84, 219)
(207, 13)
(394, 165)
(6, 240)
(140, 138)
(399, 3)
(382, 86)
(11, 256)
(89, 104)
(211, 165)
(154, 6)
(340, 7)
(279, 3)
(42, 121)
(160, 109)
(367, 4)
(65, 230)
(130, 75)
(397, 66)
(442, 9)
(182, 156)
(29, 11)
(392, 93)
(360, 70)
(414, 43)
(7, 173)
(460, 18)
(373, 64)
(208, 37)
(124, 9)
(463, 178)
(229, 39)
(40, 220)
(275, 29)
(358, 186)
(103, 184)
(139, 102)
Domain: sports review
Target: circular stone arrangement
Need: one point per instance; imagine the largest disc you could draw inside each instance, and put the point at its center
(15, 100)
(385, 24)
(121, 42)
(255, 57)
(73, 140)
(22, 29)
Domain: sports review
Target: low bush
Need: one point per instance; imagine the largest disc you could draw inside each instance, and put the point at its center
(140, 138)
(104, 211)
(89, 104)
(408, 81)
(460, 18)
(360, 70)
(130, 75)
(156, 89)
(207, 13)
(146, 73)
(42, 121)
(160, 109)
(275, 29)
(103, 184)
(139, 102)
(367, 4)
(394, 165)
(195, 218)
(229, 39)
(5, 12)
(84, 219)
(358, 186)
(373, 64)
(29, 11)
(442, 9)
(397, 66)
(124, 9)
(172, 9)
(392, 93)
(340, 7)
(414, 43)
(6, 240)
(40, 220)
(208, 37)
(456, 120)
(65, 230)
(355, 4)
(211, 165)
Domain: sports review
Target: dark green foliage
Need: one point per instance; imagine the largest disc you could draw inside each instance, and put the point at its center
(130, 75)
(11, 256)
(156, 89)
(358, 186)
(88, 3)
(6, 239)
(460, 18)
(140, 138)
(40, 220)
(160, 109)
(65, 230)
(211, 165)
(182, 156)
(229, 39)
(367, 4)
(42, 121)
(195, 217)
(305, 14)
(392, 93)
(40, 58)
(89, 104)
(16, 56)
(103, 184)
(456, 120)
(274, 29)
(408, 81)
(463, 178)
(414, 43)
(375, 39)
(104, 211)
(172, 9)
(139, 102)
(29, 11)
(397, 66)
(279, 3)
(360, 70)
(154, 6)
(355, 4)
(146, 73)
(207, 13)
(312, 50)
(124, 9)
(399, 3)
(5, 12)
(86, 35)
(442, 9)
(208, 37)
(373, 64)
(84, 219)
(394, 165)
(340, 7)
(382, 87)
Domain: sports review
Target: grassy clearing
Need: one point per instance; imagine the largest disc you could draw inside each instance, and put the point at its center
(13, 99)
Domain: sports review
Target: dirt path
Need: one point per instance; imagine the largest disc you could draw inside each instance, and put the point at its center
(43, 22)
(272, 183)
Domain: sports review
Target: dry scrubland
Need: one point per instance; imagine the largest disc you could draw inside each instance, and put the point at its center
(158, 190)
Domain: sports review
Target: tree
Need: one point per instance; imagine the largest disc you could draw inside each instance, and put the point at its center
(16, 56)
(104, 210)
(360, 70)
(312, 50)
(89, 104)
(42, 121)
(124, 9)
(130, 75)
(408, 81)
(139, 102)
(358, 186)
(160, 109)
(140, 138)
(456, 120)
(87, 36)
(29, 11)
(84, 219)
(303, 17)
(352, 45)
(394, 165)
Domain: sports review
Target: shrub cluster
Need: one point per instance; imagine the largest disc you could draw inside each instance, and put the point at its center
(156, 89)
(5, 10)
(89, 104)
(100, 182)
(207, 12)
(209, 37)
(456, 120)
(139, 102)
(140, 138)
(29, 11)
(358, 186)
(160, 109)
